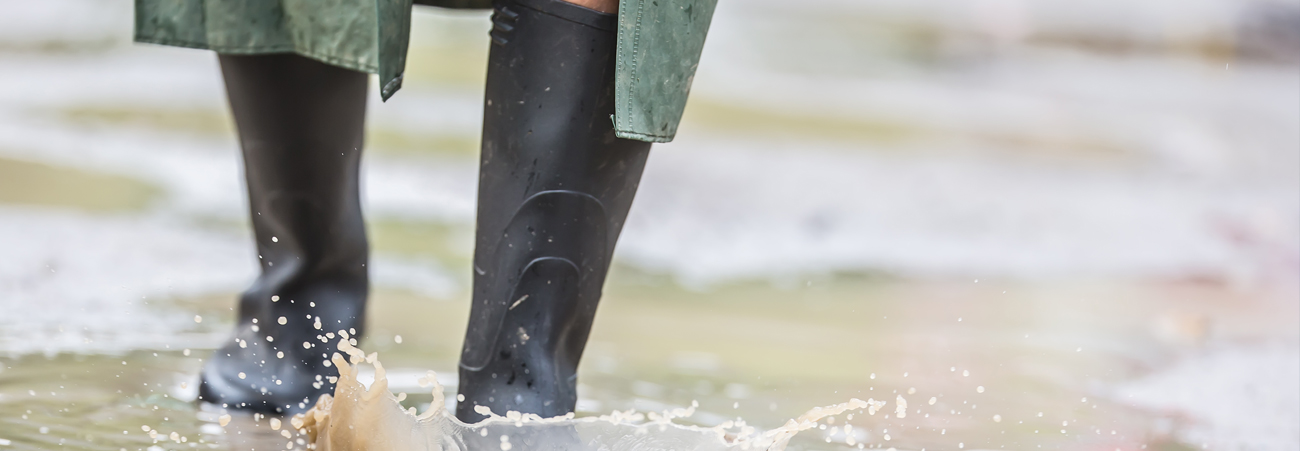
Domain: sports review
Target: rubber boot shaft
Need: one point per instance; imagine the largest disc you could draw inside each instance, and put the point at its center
(301, 126)
(555, 186)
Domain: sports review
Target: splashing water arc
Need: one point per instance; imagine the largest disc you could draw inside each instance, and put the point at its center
(356, 418)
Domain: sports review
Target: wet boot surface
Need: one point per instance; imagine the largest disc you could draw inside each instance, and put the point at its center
(301, 126)
(555, 187)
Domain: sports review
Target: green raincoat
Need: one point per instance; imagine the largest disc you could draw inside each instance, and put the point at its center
(659, 43)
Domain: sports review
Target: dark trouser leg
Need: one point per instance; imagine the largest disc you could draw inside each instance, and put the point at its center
(300, 126)
(555, 186)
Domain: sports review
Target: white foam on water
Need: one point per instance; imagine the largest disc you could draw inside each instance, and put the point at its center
(735, 210)
(77, 282)
(1203, 193)
(1238, 397)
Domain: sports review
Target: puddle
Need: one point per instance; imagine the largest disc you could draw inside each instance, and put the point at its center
(28, 183)
(993, 356)
(1037, 240)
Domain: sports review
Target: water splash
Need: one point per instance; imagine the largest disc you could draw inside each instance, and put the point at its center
(360, 418)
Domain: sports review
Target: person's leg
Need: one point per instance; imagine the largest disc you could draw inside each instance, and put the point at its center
(300, 125)
(555, 186)
(604, 6)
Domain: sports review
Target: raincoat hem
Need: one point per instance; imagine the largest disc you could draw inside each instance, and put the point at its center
(245, 50)
(643, 136)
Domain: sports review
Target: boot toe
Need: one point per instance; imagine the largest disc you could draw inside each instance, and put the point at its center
(241, 378)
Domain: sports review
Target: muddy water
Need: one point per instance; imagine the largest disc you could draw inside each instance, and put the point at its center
(359, 417)
(1007, 365)
(1040, 226)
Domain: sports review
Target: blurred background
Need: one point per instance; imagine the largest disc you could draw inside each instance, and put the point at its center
(1046, 224)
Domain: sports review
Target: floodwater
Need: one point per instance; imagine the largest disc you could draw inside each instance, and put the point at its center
(1042, 225)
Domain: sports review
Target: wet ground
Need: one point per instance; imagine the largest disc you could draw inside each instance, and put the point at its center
(1070, 228)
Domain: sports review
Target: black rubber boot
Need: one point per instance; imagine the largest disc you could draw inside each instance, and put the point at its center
(555, 186)
(300, 126)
